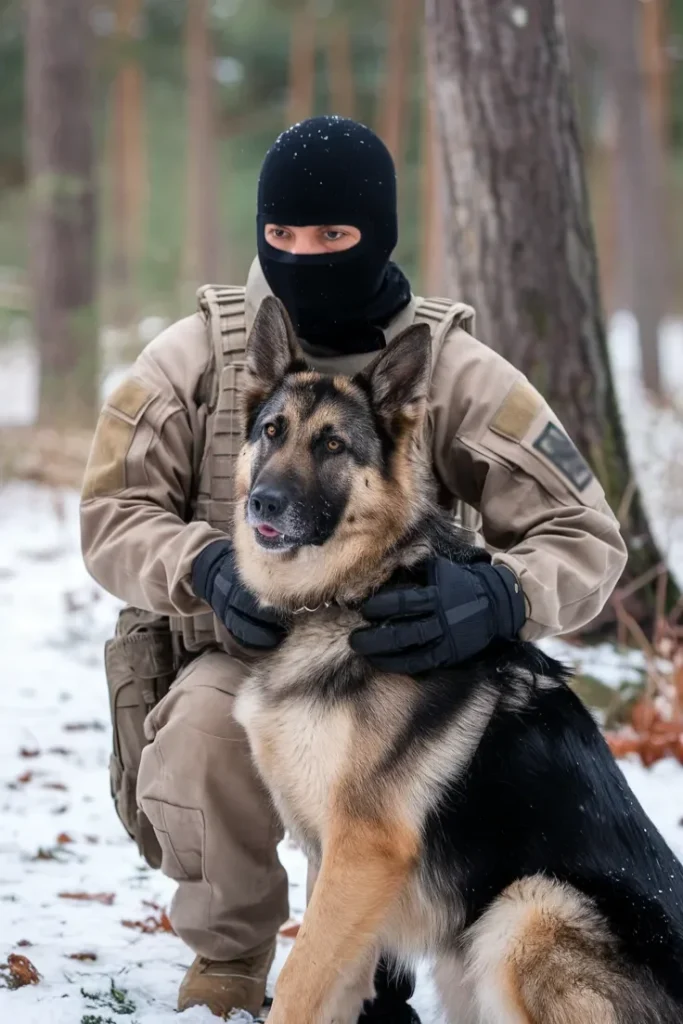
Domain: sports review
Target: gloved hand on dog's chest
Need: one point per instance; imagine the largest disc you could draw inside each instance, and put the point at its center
(215, 579)
(458, 611)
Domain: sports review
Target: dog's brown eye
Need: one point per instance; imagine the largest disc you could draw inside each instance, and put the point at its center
(271, 430)
(334, 445)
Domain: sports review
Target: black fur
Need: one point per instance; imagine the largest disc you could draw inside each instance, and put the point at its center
(543, 795)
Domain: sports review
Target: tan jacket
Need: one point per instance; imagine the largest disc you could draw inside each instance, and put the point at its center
(496, 446)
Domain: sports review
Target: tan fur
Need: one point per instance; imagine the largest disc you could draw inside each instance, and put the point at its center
(379, 511)
(364, 867)
(539, 955)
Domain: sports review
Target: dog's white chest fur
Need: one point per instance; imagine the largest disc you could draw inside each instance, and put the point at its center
(300, 748)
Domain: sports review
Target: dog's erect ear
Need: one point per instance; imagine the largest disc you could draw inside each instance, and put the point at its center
(271, 345)
(398, 379)
(271, 350)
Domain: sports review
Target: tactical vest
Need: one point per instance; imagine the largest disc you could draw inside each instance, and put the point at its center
(223, 309)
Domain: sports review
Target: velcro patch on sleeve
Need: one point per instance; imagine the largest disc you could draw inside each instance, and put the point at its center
(564, 455)
(130, 398)
(106, 470)
(520, 408)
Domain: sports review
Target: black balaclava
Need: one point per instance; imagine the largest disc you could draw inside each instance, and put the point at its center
(331, 170)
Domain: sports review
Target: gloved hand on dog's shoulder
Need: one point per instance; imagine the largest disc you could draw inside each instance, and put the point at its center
(215, 579)
(456, 612)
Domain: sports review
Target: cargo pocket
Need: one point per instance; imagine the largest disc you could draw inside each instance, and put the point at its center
(180, 832)
(140, 667)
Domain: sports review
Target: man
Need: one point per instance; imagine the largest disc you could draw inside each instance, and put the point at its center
(156, 521)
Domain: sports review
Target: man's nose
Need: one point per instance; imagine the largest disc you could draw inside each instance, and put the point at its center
(307, 245)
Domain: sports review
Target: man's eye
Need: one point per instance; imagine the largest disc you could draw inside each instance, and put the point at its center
(334, 236)
(333, 444)
(271, 430)
(278, 232)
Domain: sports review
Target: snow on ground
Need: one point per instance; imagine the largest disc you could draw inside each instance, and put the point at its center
(54, 747)
(53, 706)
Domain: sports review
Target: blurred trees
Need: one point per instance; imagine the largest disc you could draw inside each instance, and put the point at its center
(302, 40)
(626, 40)
(203, 197)
(59, 139)
(126, 161)
(520, 243)
(188, 97)
(340, 66)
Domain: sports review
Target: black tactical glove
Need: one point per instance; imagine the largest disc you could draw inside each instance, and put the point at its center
(215, 579)
(454, 616)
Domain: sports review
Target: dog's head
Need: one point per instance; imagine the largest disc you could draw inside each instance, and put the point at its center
(331, 475)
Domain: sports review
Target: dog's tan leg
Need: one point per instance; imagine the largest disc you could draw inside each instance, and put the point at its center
(365, 865)
(541, 955)
(352, 991)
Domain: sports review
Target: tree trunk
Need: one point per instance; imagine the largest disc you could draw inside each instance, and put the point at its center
(301, 66)
(127, 163)
(340, 64)
(202, 233)
(432, 204)
(401, 15)
(656, 64)
(639, 175)
(59, 134)
(520, 245)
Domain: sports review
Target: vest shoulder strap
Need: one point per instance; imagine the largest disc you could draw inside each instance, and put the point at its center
(223, 308)
(441, 315)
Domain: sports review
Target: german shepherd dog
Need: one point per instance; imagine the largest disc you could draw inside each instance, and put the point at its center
(473, 814)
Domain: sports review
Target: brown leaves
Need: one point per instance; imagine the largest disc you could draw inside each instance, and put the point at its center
(63, 839)
(26, 752)
(83, 957)
(105, 898)
(153, 923)
(656, 727)
(25, 777)
(19, 971)
(651, 735)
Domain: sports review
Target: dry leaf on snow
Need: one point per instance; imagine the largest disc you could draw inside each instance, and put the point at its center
(106, 898)
(19, 971)
(153, 924)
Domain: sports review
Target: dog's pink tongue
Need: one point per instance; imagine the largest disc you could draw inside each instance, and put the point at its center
(267, 531)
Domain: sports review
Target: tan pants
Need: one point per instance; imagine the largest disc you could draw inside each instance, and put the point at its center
(212, 815)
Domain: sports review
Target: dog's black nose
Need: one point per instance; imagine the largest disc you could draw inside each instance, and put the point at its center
(268, 501)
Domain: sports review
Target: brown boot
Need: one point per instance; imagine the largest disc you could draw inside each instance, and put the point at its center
(225, 985)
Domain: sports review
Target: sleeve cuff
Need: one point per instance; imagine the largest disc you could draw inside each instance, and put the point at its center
(205, 567)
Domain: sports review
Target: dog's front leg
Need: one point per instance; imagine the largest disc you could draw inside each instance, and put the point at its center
(365, 865)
